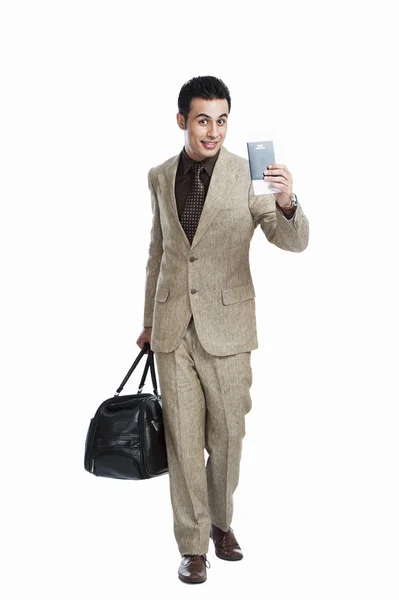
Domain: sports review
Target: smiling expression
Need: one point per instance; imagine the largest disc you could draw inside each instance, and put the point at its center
(206, 127)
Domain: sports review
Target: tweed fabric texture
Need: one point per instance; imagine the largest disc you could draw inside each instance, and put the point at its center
(194, 203)
(211, 278)
(205, 399)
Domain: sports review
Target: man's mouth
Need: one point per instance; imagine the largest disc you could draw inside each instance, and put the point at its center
(209, 145)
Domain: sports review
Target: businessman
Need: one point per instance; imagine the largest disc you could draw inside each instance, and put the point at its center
(199, 313)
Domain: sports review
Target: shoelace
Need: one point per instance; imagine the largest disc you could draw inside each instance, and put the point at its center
(203, 556)
(226, 543)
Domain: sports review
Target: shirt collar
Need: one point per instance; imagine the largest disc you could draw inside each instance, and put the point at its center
(208, 163)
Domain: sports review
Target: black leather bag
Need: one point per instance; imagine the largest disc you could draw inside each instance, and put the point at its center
(125, 439)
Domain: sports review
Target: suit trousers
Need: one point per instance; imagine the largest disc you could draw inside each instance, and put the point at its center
(205, 399)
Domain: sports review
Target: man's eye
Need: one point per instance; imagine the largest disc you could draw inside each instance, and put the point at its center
(220, 121)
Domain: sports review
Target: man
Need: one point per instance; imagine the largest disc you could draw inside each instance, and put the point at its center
(199, 313)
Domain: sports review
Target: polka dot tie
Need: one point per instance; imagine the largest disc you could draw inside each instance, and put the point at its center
(194, 204)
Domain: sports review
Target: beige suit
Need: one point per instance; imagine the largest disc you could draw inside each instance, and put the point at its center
(211, 279)
(200, 302)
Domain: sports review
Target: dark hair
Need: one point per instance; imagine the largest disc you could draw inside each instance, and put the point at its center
(207, 87)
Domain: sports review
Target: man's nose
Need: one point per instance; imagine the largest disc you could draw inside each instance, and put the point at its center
(212, 130)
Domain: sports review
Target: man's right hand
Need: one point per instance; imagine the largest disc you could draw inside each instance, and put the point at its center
(145, 336)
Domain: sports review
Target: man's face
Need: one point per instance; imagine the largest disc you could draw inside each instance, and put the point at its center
(206, 127)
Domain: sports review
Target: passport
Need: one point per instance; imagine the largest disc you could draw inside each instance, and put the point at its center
(260, 155)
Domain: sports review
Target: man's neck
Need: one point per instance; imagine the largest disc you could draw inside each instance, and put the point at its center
(196, 159)
(191, 156)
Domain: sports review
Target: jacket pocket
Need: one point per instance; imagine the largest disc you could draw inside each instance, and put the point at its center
(162, 293)
(238, 293)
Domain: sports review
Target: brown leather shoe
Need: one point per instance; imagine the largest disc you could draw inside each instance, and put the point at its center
(192, 568)
(226, 545)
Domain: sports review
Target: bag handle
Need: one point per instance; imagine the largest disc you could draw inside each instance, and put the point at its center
(149, 364)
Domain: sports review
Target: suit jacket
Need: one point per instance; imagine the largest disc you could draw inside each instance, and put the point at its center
(211, 278)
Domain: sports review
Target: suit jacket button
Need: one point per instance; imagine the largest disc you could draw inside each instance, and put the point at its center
(193, 291)
(192, 258)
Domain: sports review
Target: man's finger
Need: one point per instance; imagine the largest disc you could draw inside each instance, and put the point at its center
(277, 173)
(276, 170)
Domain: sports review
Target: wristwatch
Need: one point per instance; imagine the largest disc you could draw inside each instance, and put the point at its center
(293, 204)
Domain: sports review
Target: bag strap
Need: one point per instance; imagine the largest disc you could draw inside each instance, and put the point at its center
(149, 364)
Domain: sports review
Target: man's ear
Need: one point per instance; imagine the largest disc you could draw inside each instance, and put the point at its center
(180, 120)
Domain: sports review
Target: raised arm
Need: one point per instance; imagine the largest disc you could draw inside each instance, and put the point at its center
(290, 234)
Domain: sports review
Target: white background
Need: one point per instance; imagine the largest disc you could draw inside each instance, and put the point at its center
(88, 104)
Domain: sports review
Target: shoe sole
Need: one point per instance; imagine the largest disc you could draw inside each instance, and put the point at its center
(229, 558)
(191, 580)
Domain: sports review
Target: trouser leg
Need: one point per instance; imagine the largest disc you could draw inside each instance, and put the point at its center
(226, 382)
(184, 422)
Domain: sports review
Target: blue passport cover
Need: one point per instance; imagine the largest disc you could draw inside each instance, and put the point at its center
(260, 155)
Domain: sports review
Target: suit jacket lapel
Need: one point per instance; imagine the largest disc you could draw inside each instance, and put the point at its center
(220, 187)
(167, 183)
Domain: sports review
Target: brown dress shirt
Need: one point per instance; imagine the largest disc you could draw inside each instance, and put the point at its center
(185, 177)
(185, 180)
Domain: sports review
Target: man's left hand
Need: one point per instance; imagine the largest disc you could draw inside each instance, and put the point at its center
(280, 178)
